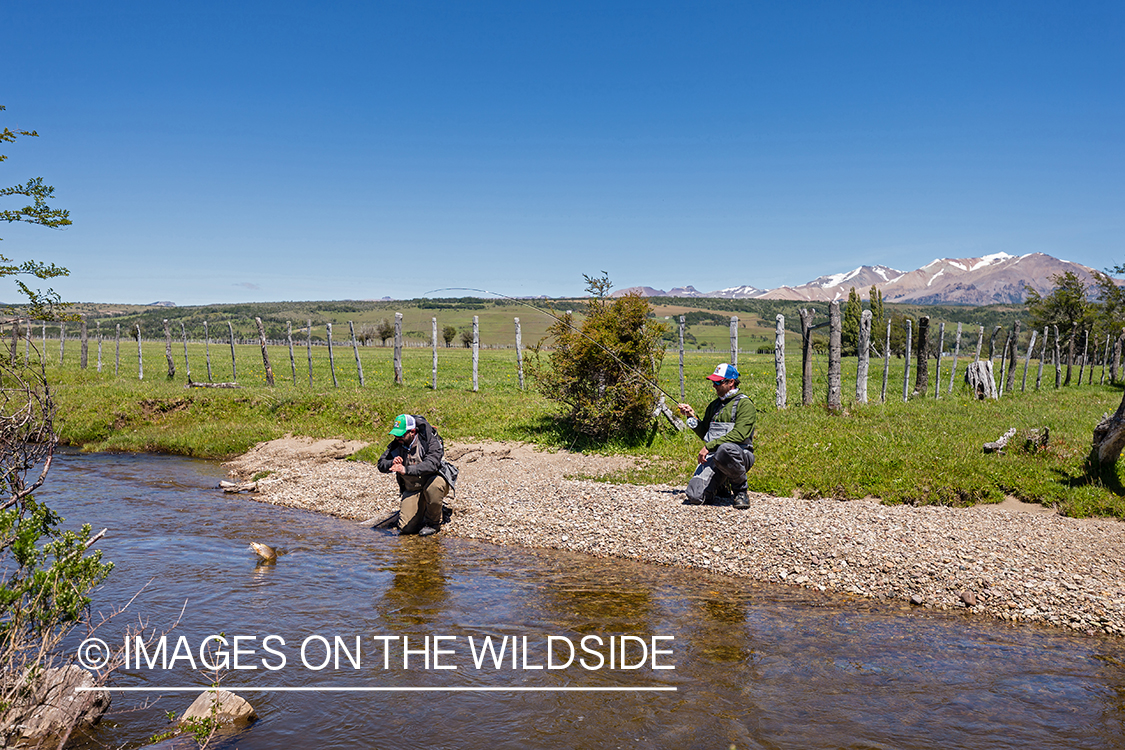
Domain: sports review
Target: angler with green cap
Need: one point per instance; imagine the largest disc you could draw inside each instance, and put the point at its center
(416, 457)
(727, 430)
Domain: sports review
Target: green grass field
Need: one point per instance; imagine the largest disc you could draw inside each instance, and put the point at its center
(923, 450)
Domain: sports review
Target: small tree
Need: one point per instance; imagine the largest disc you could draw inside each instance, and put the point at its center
(40, 304)
(849, 327)
(366, 334)
(603, 372)
(898, 332)
(1067, 306)
(878, 314)
(45, 574)
(467, 337)
(448, 334)
(1110, 313)
(384, 329)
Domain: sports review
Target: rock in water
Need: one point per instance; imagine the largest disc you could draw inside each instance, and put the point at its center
(264, 551)
(223, 705)
(52, 705)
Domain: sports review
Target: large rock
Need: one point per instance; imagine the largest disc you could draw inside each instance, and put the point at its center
(229, 709)
(55, 706)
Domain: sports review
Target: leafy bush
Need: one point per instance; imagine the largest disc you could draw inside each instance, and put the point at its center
(604, 372)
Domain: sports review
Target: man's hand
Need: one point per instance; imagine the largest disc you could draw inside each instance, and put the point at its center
(397, 467)
(686, 410)
(703, 454)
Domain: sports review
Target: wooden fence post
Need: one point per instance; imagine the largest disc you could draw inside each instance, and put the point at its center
(331, 357)
(265, 354)
(433, 342)
(937, 369)
(992, 344)
(778, 360)
(922, 376)
(863, 353)
(207, 350)
(956, 354)
(1027, 361)
(886, 363)
(1004, 363)
(1085, 348)
(1093, 360)
(681, 359)
(1105, 356)
(168, 350)
(835, 384)
(292, 359)
(308, 349)
(519, 351)
(1070, 342)
(806, 355)
(1042, 358)
(1058, 359)
(980, 341)
(140, 358)
(1013, 357)
(1115, 363)
(84, 350)
(27, 345)
(734, 340)
(117, 352)
(15, 341)
(476, 350)
(906, 364)
(355, 348)
(398, 349)
(233, 369)
(187, 365)
(98, 329)
(62, 341)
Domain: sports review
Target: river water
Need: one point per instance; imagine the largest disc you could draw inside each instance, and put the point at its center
(754, 666)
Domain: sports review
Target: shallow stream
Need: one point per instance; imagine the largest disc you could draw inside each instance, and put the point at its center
(754, 666)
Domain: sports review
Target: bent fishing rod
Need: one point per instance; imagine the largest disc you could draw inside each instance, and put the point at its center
(571, 326)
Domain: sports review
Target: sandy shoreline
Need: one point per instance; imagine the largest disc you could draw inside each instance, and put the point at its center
(1013, 562)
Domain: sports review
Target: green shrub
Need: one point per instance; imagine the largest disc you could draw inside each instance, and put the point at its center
(603, 372)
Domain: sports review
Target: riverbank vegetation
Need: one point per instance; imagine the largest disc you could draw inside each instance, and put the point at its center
(925, 450)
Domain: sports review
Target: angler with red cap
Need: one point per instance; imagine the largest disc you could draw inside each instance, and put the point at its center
(727, 431)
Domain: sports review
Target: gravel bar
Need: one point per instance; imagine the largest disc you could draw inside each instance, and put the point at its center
(1014, 562)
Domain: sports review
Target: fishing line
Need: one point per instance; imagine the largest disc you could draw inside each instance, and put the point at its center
(595, 342)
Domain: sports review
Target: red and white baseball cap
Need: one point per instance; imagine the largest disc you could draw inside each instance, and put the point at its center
(723, 372)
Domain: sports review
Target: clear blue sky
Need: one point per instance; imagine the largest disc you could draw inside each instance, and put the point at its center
(255, 151)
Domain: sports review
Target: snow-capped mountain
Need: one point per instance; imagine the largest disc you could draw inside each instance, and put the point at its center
(828, 287)
(988, 280)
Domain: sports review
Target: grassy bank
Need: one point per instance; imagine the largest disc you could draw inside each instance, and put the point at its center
(924, 450)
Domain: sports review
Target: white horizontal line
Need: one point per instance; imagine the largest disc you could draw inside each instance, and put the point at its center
(242, 689)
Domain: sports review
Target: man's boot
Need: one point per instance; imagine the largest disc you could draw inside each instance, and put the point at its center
(741, 500)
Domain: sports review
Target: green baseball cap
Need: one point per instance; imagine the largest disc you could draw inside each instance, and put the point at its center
(404, 423)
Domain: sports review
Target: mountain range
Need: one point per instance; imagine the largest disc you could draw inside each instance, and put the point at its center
(992, 279)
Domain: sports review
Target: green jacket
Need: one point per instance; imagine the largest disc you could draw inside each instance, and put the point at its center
(719, 410)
